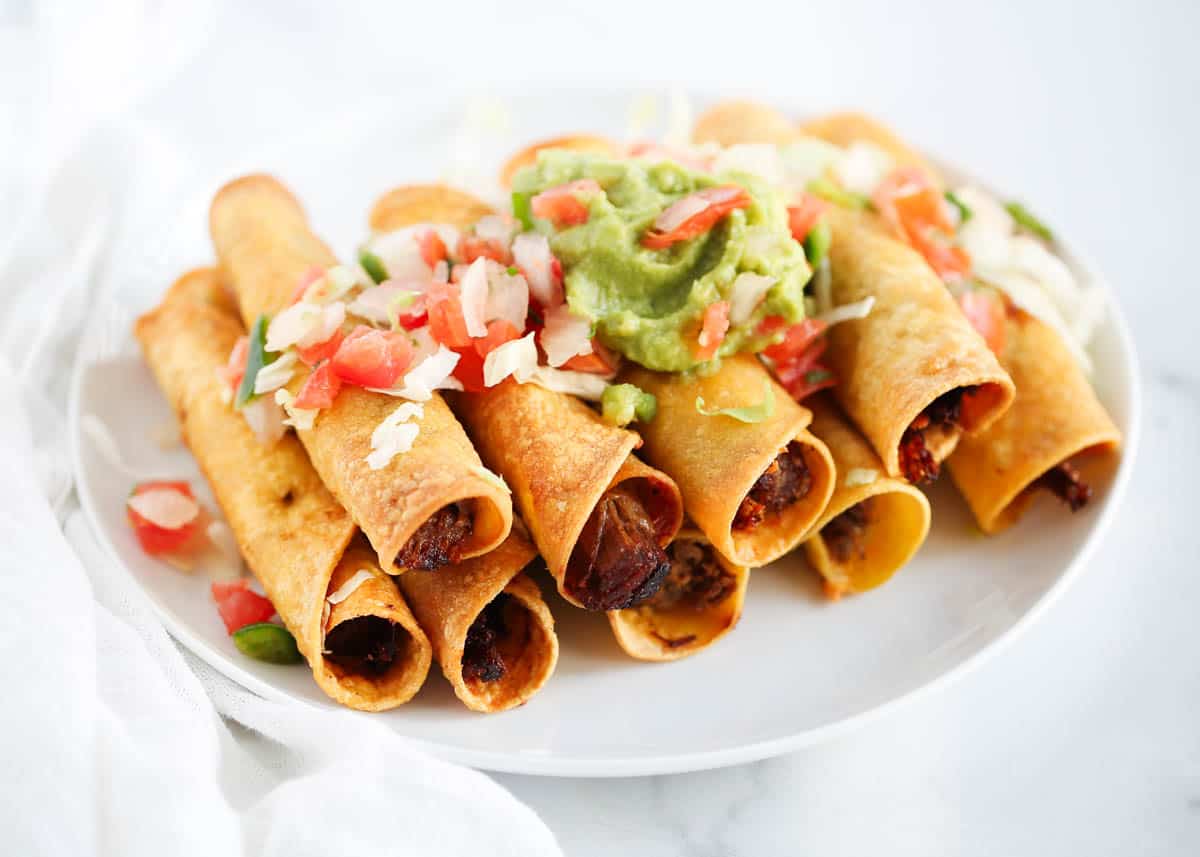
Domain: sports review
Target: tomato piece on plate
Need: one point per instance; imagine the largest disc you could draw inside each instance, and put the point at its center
(156, 540)
(601, 361)
(986, 313)
(499, 332)
(713, 328)
(561, 205)
(694, 215)
(320, 388)
(432, 247)
(240, 606)
(314, 354)
(372, 358)
(803, 216)
(443, 302)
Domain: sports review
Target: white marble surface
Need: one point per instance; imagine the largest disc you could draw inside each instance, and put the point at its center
(1083, 736)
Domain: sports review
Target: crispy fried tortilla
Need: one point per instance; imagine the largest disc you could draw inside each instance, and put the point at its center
(366, 651)
(699, 602)
(874, 523)
(265, 244)
(491, 632)
(528, 156)
(754, 489)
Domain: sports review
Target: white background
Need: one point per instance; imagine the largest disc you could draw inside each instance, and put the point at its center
(1083, 736)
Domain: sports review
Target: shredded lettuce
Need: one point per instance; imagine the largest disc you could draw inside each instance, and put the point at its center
(621, 404)
(761, 412)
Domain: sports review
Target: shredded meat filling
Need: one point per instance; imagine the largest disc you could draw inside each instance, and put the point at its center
(439, 540)
(843, 535)
(367, 645)
(617, 561)
(481, 659)
(696, 580)
(783, 483)
(916, 461)
(1065, 483)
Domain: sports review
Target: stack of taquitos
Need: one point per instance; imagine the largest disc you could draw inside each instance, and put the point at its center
(435, 503)
(365, 651)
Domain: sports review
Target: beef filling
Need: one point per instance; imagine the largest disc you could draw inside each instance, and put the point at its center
(439, 540)
(843, 535)
(617, 561)
(481, 660)
(367, 645)
(783, 483)
(916, 461)
(696, 581)
(1065, 483)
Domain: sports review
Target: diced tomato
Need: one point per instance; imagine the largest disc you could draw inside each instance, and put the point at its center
(915, 208)
(233, 371)
(432, 247)
(410, 321)
(803, 385)
(904, 182)
(712, 330)
(306, 279)
(987, 315)
(372, 358)
(320, 388)
(443, 302)
(469, 370)
(718, 202)
(803, 216)
(156, 540)
(499, 332)
(240, 606)
(601, 361)
(948, 261)
(796, 341)
(314, 354)
(561, 205)
(796, 359)
(472, 247)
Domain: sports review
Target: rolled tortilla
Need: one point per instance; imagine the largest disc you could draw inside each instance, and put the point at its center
(874, 523)
(717, 461)
(569, 471)
(1056, 417)
(579, 142)
(265, 245)
(699, 602)
(366, 651)
(491, 631)
(730, 122)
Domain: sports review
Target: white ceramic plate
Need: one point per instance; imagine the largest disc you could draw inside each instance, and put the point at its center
(796, 670)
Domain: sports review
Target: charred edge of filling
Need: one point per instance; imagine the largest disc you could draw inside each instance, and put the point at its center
(696, 581)
(367, 645)
(482, 660)
(916, 461)
(1065, 483)
(786, 480)
(843, 535)
(617, 561)
(439, 541)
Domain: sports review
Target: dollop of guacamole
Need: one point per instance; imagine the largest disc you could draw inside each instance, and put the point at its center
(648, 304)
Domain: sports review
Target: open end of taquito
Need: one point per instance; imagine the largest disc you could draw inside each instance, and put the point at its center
(491, 632)
(699, 602)
(432, 505)
(1055, 426)
(754, 489)
(292, 532)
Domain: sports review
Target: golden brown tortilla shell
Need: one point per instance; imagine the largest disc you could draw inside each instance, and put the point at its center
(731, 122)
(579, 142)
(1055, 417)
(651, 634)
(264, 243)
(433, 203)
(292, 532)
(716, 460)
(897, 513)
(447, 601)
(842, 129)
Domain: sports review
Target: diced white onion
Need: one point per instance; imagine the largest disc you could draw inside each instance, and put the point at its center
(564, 335)
(474, 297)
(848, 312)
(297, 418)
(333, 285)
(679, 212)
(265, 418)
(532, 254)
(224, 562)
(395, 434)
(760, 159)
(862, 167)
(165, 507)
(276, 373)
(378, 303)
(400, 254)
(497, 230)
(517, 358)
(805, 159)
(745, 295)
(347, 589)
(431, 373)
(508, 296)
(860, 476)
(304, 324)
(585, 385)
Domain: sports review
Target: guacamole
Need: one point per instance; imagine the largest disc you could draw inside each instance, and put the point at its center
(648, 304)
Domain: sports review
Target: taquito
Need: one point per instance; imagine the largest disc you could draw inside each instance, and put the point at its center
(913, 374)
(366, 650)
(700, 601)
(491, 631)
(432, 505)
(754, 489)
(528, 156)
(599, 517)
(874, 523)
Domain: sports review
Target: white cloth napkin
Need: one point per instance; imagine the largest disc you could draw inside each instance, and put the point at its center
(114, 740)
